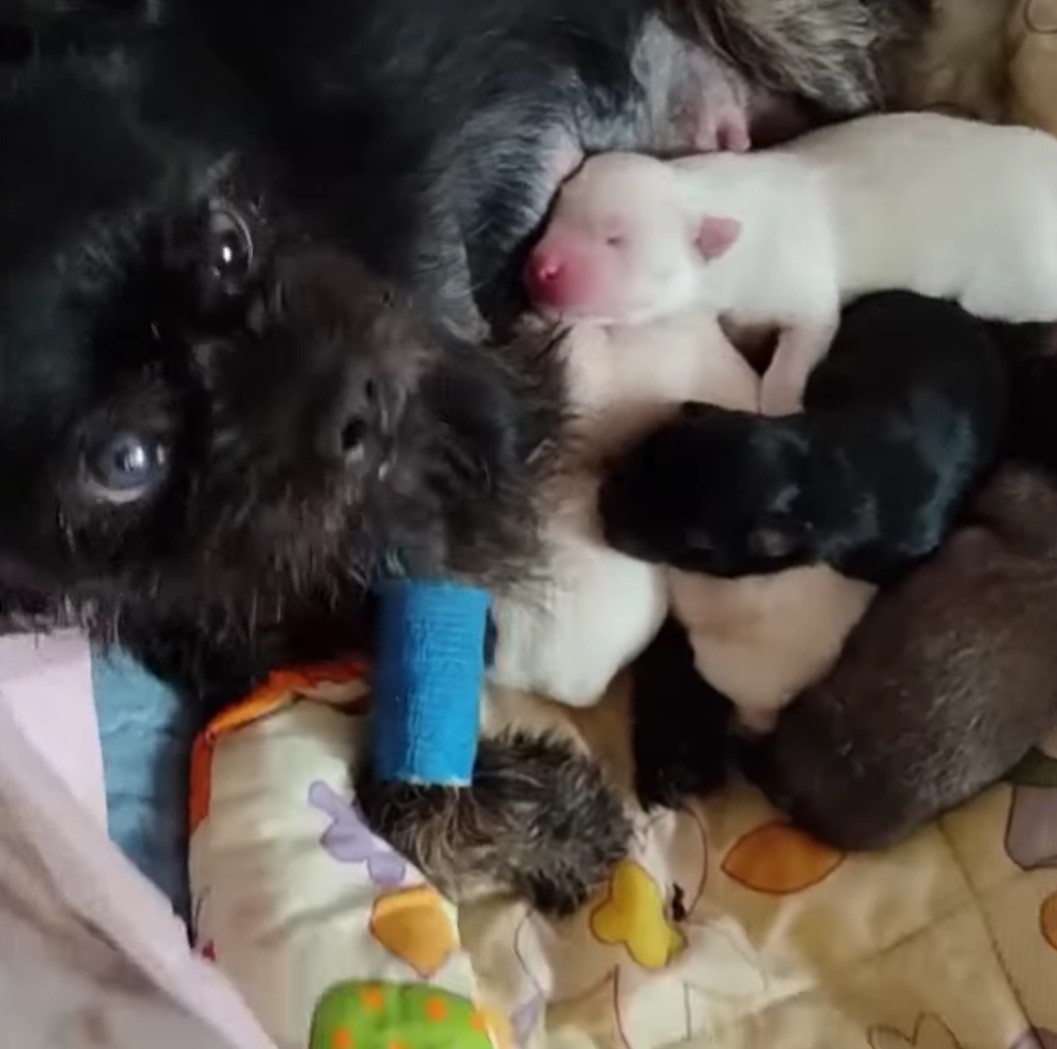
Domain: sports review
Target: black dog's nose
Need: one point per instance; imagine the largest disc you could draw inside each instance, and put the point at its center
(356, 415)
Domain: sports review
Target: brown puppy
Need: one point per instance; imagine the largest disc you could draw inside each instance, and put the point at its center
(946, 683)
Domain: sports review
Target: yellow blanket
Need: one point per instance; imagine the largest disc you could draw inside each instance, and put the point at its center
(993, 59)
(725, 927)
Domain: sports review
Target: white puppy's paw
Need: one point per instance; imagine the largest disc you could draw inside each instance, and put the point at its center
(752, 723)
(781, 393)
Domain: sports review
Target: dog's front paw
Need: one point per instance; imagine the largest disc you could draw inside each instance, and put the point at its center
(538, 820)
(672, 784)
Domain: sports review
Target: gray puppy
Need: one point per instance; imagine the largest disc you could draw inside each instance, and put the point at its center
(944, 686)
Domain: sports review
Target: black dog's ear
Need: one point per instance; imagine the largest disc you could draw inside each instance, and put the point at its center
(779, 537)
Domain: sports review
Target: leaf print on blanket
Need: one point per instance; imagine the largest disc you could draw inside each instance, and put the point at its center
(645, 942)
(778, 859)
(1048, 920)
(414, 926)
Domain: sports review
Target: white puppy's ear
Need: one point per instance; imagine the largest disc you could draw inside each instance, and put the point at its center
(715, 236)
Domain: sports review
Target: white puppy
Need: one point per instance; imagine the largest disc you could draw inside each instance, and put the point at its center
(927, 203)
(758, 640)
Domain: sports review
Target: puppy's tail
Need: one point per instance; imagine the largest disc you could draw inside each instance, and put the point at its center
(837, 54)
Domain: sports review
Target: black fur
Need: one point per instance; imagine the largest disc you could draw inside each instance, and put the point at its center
(206, 465)
(681, 740)
(900, 421)
(294, 419)
(539, 818)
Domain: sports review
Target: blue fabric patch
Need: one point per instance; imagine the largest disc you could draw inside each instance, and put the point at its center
(146, 733)
(428, 676)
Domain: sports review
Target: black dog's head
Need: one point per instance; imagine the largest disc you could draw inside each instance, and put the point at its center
(712, 491)
(204, 395)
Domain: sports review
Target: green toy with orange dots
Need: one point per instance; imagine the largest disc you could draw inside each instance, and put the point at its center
(357, 1015)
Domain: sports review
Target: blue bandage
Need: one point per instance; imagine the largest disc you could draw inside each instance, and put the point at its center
(428, 675)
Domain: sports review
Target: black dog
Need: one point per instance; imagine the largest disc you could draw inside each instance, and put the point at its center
(211, 422)
(242, 253)
(901, 421)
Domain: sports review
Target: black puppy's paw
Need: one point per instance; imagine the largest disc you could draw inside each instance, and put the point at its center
(669, 782)
(538, 820)
(755, 759)
(680, 725)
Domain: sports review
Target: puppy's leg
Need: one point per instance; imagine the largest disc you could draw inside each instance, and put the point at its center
(539, 819)
(799, 349)
(680, 724)
(755, 723)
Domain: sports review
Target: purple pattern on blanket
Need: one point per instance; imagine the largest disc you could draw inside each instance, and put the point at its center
(526, 1018)
(1036, 1039)
(349, 840)
(1031, 833)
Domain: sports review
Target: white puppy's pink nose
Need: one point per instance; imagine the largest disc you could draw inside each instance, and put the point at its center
(562, 277)
(544, 277)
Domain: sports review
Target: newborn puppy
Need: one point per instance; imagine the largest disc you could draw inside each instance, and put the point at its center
(900, 421)
(784, 237)
(948, 681)
(903, 417)
(589, 610)
(594, 609)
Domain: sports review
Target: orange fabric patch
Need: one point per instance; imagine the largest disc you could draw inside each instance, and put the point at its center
(281, 688)
(201, 785)
(778, 859)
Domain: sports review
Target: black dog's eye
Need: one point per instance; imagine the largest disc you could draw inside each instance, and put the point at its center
(230, 246)
(125, 465)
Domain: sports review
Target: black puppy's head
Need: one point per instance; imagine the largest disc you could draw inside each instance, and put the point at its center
(712, 491)
(204, 396)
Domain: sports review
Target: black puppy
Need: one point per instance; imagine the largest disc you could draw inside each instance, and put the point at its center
(900, 420)
(242, 249)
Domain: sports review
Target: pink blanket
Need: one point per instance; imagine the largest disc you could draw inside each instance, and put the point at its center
(91, 955)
